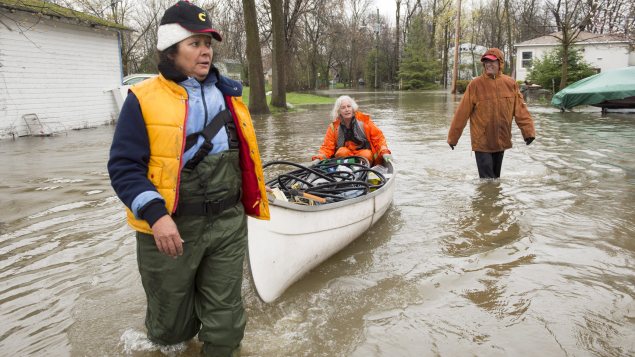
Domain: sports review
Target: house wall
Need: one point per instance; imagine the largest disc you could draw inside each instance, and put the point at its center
(62, 72)
(607, 57)
(537, 52)
(602, 56)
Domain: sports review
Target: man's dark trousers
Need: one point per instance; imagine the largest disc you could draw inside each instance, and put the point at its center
(489, 163)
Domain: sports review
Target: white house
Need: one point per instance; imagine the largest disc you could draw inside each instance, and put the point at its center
(601, 51)
(469, 61)
(57, 68)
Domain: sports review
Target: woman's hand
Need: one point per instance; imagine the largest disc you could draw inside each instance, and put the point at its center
(167, 237)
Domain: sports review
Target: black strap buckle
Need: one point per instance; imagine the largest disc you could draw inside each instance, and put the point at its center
(213, 207)
(205, 148)
(232, 135)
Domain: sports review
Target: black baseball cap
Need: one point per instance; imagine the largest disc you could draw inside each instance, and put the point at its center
(191, 18)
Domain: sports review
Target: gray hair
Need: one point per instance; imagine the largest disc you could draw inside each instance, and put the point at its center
(338, 103)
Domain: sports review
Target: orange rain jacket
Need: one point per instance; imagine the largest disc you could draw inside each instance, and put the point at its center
(374, 136)
(491, 104)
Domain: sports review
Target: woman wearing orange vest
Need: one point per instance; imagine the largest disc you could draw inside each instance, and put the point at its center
(353, 133)
(185, 162)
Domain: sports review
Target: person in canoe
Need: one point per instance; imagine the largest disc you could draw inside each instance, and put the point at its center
(353, 133)
(490, 102)
(185, 162)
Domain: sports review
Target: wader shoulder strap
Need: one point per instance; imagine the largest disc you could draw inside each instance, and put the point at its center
(222, 120)
(210, 130)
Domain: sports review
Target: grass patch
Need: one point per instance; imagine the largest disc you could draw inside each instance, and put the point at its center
(303, 99)
(293, 98)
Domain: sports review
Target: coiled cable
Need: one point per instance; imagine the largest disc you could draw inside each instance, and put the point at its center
(334, 179)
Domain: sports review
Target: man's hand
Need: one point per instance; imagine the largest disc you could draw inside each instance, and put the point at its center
(387, 157)
(167, 237)
(529, 140)
(452, 146)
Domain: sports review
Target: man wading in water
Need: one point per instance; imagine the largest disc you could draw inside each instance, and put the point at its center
(491, 101)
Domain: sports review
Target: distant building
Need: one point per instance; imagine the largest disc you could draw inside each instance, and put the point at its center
(57, 68)
(269, 76)
(601, 51)
(230, 68)
(469, 61)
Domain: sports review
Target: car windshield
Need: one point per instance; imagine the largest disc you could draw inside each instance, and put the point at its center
(136, 78)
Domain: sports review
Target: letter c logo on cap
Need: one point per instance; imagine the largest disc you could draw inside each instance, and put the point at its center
(201, 16)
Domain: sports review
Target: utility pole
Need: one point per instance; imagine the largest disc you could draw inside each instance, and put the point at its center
(376, 46)
(455, 69)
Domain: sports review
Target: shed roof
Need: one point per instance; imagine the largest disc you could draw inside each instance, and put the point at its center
(552, 39)
(53, 10)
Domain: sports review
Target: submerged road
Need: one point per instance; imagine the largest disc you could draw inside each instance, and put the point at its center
(538, 263)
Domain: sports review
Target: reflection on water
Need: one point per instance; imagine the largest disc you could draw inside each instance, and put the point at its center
(540, 262)
(488, 223)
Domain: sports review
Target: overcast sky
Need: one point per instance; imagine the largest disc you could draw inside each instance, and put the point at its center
(386, 9)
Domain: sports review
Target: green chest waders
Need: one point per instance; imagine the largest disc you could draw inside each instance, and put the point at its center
(200, 291)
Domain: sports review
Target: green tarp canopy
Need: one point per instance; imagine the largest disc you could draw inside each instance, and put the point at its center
(613, 84)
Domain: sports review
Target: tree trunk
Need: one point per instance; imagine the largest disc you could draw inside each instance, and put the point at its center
(446, 46)
(257, 98)
(565, 65)
(510, 45)
(279, 90)
(351, 64)
(396, 59)
(457, 35)
(433, 29)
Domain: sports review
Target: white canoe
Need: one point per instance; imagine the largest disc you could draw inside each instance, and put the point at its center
(298, 237)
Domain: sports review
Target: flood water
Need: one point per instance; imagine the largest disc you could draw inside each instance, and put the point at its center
(538, 263)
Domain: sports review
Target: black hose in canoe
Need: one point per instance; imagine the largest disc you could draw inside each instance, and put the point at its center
(335, 179)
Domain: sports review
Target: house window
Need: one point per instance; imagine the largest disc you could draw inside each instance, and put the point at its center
(526, 59)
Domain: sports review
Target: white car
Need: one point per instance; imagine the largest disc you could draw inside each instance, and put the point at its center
(136, 78)
(121, 92)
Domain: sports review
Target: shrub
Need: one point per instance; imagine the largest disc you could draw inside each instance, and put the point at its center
(461, 85)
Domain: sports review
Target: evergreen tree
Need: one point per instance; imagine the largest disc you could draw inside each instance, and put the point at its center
(418, 68)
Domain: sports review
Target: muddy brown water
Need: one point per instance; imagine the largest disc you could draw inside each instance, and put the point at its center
(538, 263)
